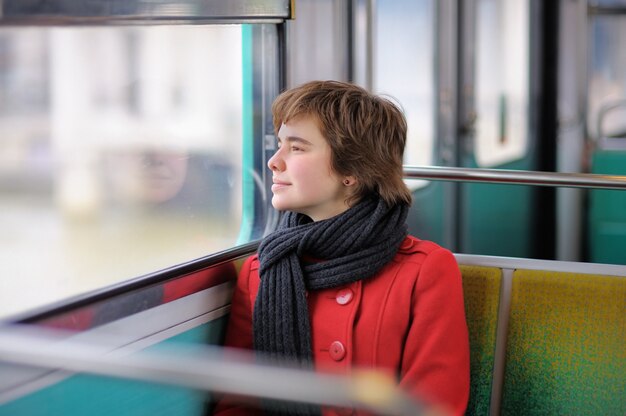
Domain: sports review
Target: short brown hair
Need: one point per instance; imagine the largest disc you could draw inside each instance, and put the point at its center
(366, 134)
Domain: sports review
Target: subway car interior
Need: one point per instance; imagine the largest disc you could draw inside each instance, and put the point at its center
(132, 193)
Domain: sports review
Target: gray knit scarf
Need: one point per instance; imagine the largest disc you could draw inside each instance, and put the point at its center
(353, 245)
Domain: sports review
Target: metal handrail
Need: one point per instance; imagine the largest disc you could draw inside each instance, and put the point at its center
(125, 12)
(207, 368)
(516, 177)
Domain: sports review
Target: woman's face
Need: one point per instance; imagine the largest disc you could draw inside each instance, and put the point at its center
(304, 181)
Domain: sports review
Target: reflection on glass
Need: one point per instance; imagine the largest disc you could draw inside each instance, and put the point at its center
(126, 304)
(121, 154)
(152, 176)
(403, 69)
(502, 65)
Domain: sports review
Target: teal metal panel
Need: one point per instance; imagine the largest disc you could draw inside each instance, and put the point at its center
(497, 220)
(607, 212)
(426, 219)
(247, 168)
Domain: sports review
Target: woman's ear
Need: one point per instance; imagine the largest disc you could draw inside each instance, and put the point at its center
(349, 180)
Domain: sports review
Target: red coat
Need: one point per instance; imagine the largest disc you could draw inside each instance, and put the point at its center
(408, 320)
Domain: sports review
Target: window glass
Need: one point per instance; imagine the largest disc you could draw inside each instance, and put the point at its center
(403, 70)
(121, 154)
(502, 67)
(607, 78)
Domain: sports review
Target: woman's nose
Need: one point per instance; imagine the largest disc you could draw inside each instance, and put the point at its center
(276, 163)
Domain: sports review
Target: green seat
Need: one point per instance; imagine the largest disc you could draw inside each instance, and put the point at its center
(566, 345)
(481, 288)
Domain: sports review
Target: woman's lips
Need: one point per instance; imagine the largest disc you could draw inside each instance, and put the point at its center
(279, 185)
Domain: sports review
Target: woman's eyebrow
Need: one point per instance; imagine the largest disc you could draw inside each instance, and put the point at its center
(295, 139)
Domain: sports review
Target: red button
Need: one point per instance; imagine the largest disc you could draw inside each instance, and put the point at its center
(337, 351)
(344, 296)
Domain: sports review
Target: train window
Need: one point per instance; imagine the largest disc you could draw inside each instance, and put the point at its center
(502, 84)
(121, 154)
(405, 71)
(607, 80)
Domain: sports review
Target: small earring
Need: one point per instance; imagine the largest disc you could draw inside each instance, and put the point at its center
(346, 182)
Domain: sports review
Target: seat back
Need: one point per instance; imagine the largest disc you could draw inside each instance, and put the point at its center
(546, 337)
(566, 344)
(481, 288)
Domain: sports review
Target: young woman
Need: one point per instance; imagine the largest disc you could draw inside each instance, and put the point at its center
(340, 284)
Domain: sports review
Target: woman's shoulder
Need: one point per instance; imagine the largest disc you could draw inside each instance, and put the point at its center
(251, 262)
(249, 274)
(413, 245)
(426, 256)
(249, 267)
